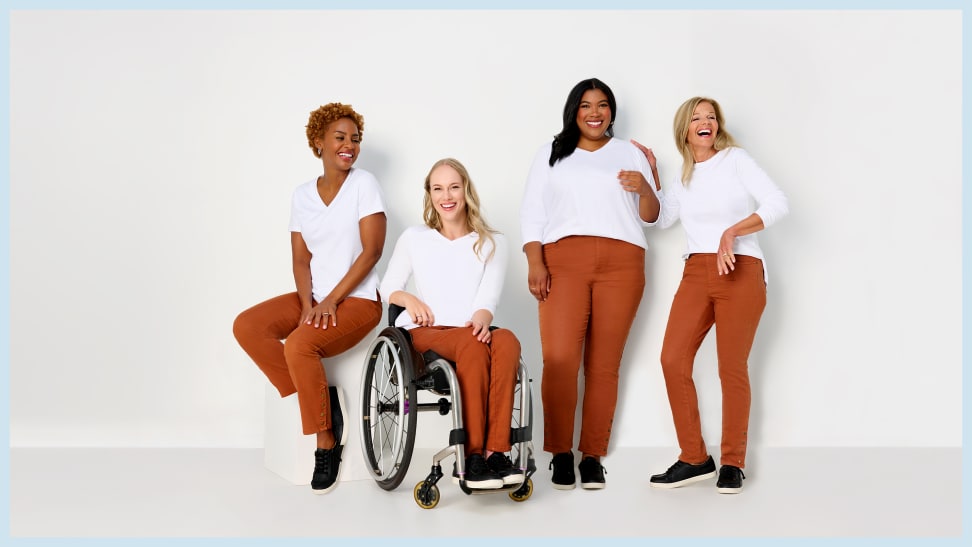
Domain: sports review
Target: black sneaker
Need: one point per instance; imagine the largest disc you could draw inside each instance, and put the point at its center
(592, 474)
(338, 412)
(730, 479)
(563, 471)
(478, 474)
(327, 464)
(500, 464)
(682, 473)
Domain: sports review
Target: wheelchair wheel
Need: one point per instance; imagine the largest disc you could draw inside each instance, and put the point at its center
(426, 496)
(388, 410)
(524, 492)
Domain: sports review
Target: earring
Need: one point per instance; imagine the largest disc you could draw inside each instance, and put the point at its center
(319, 151)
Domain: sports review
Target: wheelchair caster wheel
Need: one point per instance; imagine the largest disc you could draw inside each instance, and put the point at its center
(427, 497)
(524, 492)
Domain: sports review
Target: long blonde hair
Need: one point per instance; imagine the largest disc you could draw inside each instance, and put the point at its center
(474, 218)
(683, 118)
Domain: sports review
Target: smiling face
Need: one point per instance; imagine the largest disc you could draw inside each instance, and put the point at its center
(593, 119)
(339, 144)
(448, 194)
(703, 127)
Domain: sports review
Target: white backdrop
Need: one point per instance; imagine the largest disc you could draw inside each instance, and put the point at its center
(153, 155)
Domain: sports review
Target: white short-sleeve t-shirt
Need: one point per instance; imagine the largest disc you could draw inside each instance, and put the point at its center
(331, 232)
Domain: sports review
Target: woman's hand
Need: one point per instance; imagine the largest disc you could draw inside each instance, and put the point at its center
(480, 325)
(726, 259)
(538, 279)
(634, 181)
(649, 155)
(320, 315)
(419, 312)
(652, 162)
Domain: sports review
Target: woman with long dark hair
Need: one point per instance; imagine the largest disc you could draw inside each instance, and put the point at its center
(587, 200)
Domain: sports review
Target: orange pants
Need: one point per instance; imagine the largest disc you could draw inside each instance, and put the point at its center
(734, 304)
(295, 365)
(596, 287)
(487, 380)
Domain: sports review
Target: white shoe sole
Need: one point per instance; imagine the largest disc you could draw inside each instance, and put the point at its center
(725, 490)
(326, 490)
(592, 485)
(570, 486)
(679, 484)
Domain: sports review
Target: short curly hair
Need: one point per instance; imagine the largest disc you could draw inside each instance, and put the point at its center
(324, 116)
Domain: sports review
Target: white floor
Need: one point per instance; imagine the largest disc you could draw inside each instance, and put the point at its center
(805, 492)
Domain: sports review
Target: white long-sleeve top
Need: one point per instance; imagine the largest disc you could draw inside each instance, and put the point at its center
(448, 275)
(581, 195)
(722, 192)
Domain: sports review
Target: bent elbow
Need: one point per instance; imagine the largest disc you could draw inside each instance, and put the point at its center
(372, 256)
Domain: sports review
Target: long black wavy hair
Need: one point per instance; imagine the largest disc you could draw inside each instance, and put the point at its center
(565, 142)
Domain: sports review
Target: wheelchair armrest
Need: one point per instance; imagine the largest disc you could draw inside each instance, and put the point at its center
(394, 310)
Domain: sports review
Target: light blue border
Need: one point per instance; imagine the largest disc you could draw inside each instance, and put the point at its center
(484, 4)
(12, 5)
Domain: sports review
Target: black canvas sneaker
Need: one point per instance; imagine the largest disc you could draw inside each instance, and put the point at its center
(592, 474)
(327, 464)
(730, 479)
(479, 476)
(500, 464)
(682, 473)
(563, 471)
(338, 412)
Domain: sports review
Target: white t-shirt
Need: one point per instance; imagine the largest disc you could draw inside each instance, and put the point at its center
(581, 195)
(332, 233)
(720, 194)
(448, 275)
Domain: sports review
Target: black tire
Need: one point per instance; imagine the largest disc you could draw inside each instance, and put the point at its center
(388, 411)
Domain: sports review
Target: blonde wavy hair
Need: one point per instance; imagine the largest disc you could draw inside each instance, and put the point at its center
(325, 116)
(683, 117)
(474, 218)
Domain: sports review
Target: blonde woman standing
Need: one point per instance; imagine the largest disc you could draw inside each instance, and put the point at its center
(723, 285)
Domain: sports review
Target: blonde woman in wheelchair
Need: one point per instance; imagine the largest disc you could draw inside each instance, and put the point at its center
(458, 263)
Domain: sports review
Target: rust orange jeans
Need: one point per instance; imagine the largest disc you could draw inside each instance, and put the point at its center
(734, 304)
(295, 365)
(596, 285)
(487, 379)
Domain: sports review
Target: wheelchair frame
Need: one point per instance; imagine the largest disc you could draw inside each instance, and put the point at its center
(393, 374)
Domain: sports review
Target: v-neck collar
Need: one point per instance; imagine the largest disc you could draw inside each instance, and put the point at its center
(336, 194)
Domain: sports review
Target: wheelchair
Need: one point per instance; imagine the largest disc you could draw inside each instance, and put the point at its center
(393, 375)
